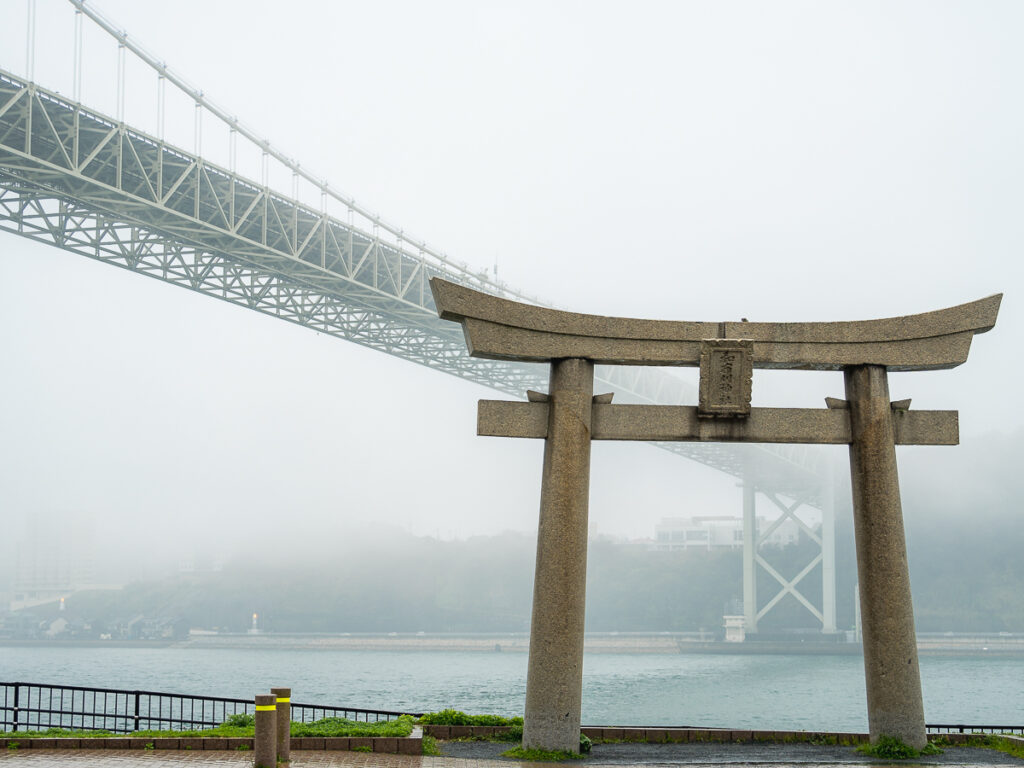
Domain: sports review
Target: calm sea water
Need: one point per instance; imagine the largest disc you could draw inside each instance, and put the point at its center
(768, 692)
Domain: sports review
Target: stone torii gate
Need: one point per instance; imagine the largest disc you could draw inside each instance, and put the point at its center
(569, 416)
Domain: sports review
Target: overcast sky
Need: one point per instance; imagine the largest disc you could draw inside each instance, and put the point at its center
(693, 161)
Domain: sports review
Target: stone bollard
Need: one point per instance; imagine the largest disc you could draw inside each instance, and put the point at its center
(266, 731)
(284, 723)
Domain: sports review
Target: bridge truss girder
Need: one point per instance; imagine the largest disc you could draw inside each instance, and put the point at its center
(83, 182)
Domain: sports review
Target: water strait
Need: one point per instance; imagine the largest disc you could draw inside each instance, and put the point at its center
(801, 692)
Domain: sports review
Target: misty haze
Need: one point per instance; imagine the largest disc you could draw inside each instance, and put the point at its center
(183, 475)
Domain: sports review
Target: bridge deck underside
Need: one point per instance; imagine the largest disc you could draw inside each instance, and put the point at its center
(82, 182)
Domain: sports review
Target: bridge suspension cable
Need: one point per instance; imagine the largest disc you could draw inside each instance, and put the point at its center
(92, 184)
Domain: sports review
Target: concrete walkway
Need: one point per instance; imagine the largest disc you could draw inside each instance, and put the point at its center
(607, 756)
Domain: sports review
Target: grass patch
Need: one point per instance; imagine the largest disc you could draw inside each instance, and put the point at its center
(340, 726)
(996, 742)
(893, 748)
(513, 735)
(234, 727)
(65, 733)
(455, 717)
(222, 731)
(430, 747)
(541, 755)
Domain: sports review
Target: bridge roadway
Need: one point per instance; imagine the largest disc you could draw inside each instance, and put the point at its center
(82, 181)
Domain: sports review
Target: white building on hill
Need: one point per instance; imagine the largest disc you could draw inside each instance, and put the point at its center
(714, 531)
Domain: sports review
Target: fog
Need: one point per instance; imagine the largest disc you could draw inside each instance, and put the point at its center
(783, 161)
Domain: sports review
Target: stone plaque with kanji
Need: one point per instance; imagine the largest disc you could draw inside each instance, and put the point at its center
(726, 368)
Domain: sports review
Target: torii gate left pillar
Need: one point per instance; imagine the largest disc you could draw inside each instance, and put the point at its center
(554, 678)
(569, 417)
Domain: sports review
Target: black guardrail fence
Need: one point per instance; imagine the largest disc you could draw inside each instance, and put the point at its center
(38, 706)
(961, 728)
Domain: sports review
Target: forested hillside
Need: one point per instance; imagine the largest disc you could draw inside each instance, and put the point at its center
(964, 532)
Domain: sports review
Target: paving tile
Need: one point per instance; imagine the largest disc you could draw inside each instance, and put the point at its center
(76, 758)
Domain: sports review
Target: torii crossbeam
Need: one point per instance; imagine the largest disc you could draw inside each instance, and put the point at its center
(569, 416)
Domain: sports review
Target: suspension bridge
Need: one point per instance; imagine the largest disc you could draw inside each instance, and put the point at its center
(91, 184)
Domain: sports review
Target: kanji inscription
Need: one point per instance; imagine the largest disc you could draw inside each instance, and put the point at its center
(726, 368)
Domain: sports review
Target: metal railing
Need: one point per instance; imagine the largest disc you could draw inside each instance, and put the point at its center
(37, 707)
(962, 728)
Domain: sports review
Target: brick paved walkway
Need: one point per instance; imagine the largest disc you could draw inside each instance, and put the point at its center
(65, 758)
(57, 758)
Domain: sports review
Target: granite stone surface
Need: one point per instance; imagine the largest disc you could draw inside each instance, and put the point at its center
(682, 423)
(554, 680)
(569, 417)
(265, 739)
(284, 719)
(892, 676)
(508, 330)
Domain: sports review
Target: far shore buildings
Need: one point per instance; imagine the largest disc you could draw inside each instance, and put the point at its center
(52, 559)
(715, 531)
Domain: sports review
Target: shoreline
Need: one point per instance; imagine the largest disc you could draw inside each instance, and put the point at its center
(631, 643)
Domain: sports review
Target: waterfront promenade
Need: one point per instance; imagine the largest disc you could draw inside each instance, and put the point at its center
(607, 756)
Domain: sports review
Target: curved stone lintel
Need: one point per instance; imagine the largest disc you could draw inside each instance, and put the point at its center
(501, 329)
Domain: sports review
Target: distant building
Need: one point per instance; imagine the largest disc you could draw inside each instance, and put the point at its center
(52, 560)
(716, 531)
(199, 562)
(735, 628)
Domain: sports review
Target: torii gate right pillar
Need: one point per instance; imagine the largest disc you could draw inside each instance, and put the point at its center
(892, 675)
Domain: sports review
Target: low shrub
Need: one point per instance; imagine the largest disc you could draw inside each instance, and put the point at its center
(541, 755)
(893, 748)
(430, 747)
(340, 726)
(456, 717)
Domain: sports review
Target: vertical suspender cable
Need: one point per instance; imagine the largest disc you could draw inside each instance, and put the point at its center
(30, 42)
(161, 90)
(77, 71)
(120, 78)
(199, 128)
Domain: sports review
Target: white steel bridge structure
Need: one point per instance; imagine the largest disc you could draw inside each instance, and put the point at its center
(89, 183)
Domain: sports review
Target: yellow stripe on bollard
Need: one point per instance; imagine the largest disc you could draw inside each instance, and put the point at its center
(271, 708)
(283, 701)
